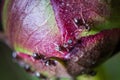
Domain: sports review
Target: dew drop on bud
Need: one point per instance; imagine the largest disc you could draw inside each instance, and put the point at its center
(37, 74)
(14, 55)
(69, 41)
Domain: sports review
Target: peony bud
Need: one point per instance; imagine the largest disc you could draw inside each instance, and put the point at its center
(60, 38)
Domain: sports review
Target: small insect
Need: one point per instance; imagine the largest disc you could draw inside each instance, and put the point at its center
(27, 68)
(80, 22)
(50, 62)
(35, 56)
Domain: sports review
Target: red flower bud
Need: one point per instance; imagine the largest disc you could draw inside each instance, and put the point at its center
(49, 33)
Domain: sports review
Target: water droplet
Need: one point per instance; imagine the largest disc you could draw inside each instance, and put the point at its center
(69, 41)
(75, 20)
(14, 54)
(37, 74)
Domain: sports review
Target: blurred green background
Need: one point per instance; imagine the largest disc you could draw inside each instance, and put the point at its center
(9, 70)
